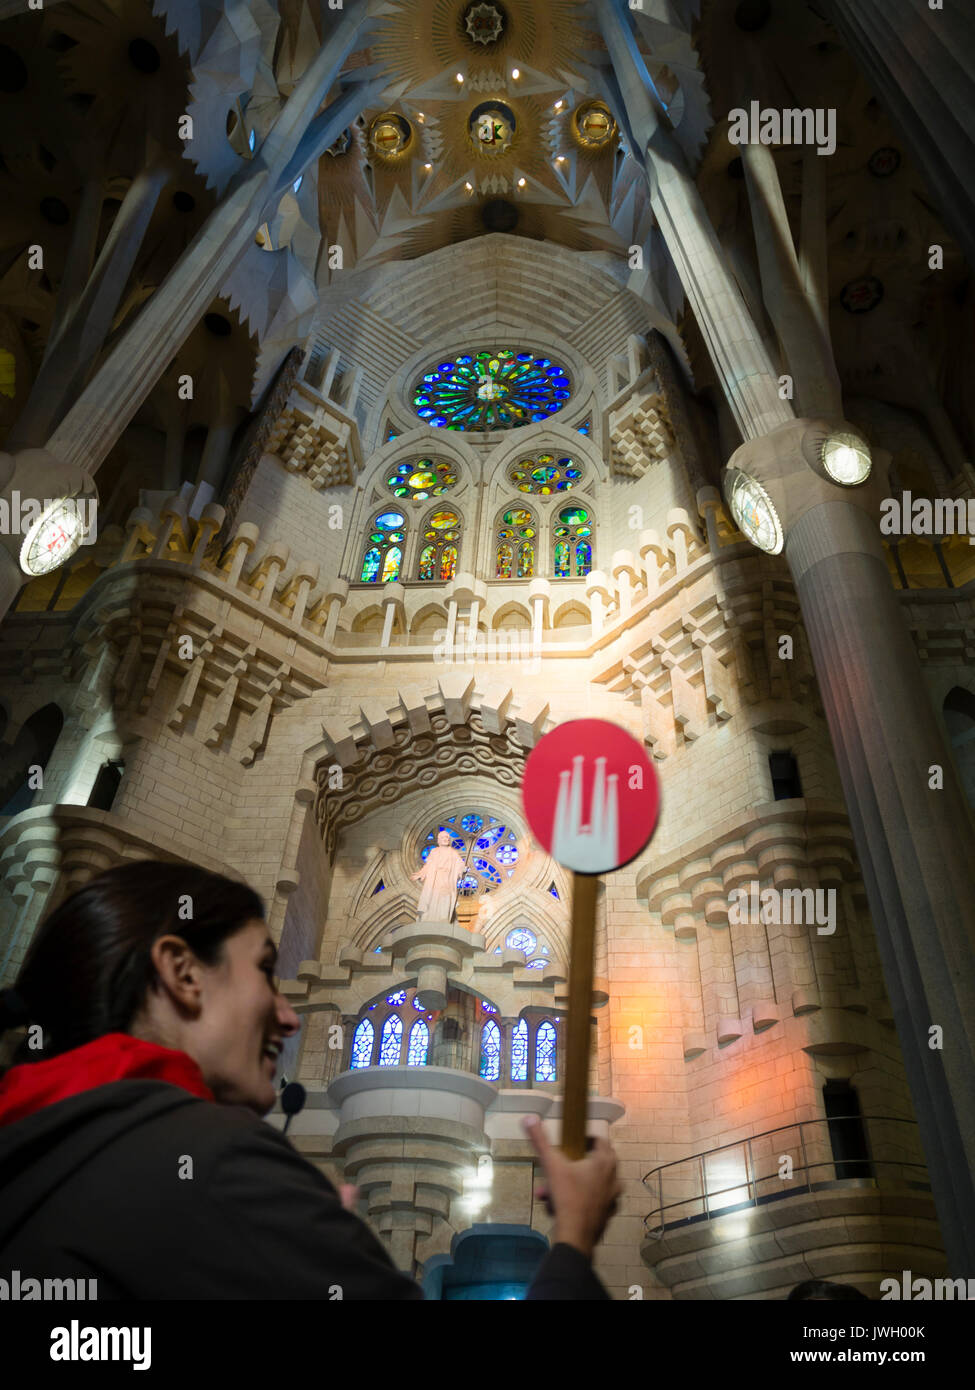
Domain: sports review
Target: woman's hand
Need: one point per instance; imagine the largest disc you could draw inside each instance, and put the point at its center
(583, 1192)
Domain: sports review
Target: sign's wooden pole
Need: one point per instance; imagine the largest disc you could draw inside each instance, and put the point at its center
(577, 1045)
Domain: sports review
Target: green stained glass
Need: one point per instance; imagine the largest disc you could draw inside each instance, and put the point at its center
(427, 557)
(422, 479)
(491, 391)
(370, 566)
(543, 476)
(573, 516)
(562, 559)
(504, 561)
(517, 518)
(526, 560)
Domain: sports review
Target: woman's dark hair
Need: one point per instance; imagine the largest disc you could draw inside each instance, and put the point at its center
(88, 969)
(822, 1289)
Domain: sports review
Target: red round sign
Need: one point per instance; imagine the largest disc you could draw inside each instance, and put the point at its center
(591, 795)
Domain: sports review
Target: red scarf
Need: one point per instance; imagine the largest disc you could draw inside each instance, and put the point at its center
(112, 1057)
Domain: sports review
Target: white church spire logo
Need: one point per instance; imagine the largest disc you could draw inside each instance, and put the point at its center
(593, 847)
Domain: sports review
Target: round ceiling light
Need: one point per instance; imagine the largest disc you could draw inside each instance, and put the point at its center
(754, 514)
(846, 459)
(55, 536)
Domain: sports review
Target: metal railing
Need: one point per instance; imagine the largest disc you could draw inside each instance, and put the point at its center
(752, 1172)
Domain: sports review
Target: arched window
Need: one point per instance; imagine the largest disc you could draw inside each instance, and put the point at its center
(392, 1040)
(362, 1041)
(521, 939)
(32, 748)
(419, 1042)
(519, 1052)
(572, 543)
(441, 547)
(383, 558)
(421, 479)
(491, 1051)
(545, 1052)
(516, 536)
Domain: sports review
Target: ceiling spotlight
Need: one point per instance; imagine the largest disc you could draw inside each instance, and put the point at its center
(560, 159)
(846, 459)
(754, 514)
(516, 73)
(420, 116)
(521, 183)
(469, 187)
(428, 166)
(460, 77)
(558, 106)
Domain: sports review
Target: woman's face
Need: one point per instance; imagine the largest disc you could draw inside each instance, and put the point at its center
(243, 1021)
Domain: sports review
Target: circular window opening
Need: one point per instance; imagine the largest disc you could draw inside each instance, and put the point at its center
(217, 325)
(183, 202)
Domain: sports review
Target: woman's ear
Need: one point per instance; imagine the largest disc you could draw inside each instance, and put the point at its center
(178, 971)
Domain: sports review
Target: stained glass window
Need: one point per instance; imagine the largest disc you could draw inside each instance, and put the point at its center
(392, 1039)
(488, 1008)
(519, 1052)
(441, 535)
(362, 1041)
(515, 533)
(419, 1042)
(545, 1052)
(521, 939)
(384, 548)
(572, 532)
(488, 846)
(398, 998)
(492, 389)
(535, 965)
(421, 479)
(491, 1051)
(545, 474)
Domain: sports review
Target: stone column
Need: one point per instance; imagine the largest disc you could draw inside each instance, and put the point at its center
(914, 842)
(394, 601)
(623, 568)
(336, 596)
(921, 64)
(298, 135)
(744, 371)
(597, 592)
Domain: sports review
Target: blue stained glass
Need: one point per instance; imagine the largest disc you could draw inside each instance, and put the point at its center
(398, 998)
(490, 837)
(252, 140)
(519, 1052)
(464, 359)
(545, 1052)
(521, 939)
(391, 1041)
(544, 950)
(491, 1051)
(488, 870)
(535, 965)
(417, 1005)
(507, 854)
(472, 824)
(468, 884)
(377, 952)
(419, 1041)
(370, 566)
(488, 1008)
(297, 183)
(497, 950)
(553, 890)
(390, 520)
(362, 1040)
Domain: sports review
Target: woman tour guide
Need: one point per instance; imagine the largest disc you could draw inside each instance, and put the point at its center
(133, 1148)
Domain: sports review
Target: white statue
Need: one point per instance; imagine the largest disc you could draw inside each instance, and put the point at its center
(439, 876)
